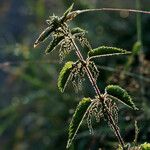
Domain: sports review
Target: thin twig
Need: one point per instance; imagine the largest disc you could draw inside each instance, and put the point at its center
(77, 12)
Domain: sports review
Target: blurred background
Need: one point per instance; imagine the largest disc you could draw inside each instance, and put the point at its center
(34, 115)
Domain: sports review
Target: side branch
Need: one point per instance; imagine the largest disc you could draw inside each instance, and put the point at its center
(111, 9)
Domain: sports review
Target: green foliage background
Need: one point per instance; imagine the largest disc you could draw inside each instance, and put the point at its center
(33, 114)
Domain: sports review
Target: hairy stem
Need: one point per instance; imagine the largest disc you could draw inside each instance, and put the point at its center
(94, 84)
(90, 76)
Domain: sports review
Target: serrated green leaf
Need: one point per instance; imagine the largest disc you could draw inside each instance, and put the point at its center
(53, 44)
(64, 75)
(44, 35)
(56, 41)
(118, 93)
(77, 119)
(106, 51)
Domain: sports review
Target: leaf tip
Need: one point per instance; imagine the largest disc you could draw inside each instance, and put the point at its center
(135, 108)
(127, 52)
(46, 53)
(35, 44)
(68, 144)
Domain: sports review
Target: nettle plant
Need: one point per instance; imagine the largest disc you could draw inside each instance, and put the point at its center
(103, 105)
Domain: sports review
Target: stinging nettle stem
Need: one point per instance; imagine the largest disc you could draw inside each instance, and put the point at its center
(94, 84)
(89, 74)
